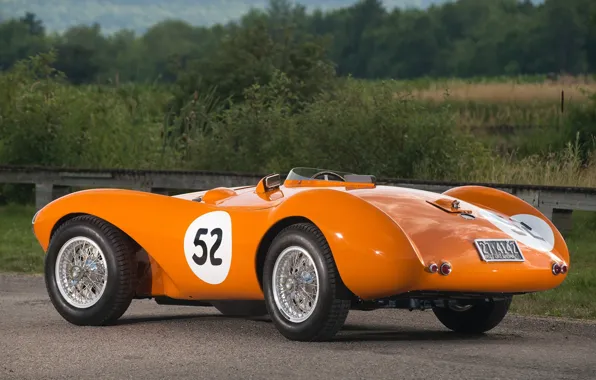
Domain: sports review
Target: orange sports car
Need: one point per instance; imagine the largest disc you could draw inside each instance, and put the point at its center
(305, 251)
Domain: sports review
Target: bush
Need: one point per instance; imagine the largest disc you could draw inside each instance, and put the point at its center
(346, 129)
(581, 126)
(44, 121)
(349, 126)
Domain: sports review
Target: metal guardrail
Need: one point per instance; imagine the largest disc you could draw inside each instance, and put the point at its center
(556, 202)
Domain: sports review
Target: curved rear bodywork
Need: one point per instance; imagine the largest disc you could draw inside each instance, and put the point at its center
(383, 239)
(440, 234)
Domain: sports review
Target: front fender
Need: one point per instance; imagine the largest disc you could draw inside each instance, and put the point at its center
(134, 212)
(158, 224)
(374, 256)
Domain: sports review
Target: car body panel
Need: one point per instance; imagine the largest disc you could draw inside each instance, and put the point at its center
(382, 238)
(158, 224)
(442, 236)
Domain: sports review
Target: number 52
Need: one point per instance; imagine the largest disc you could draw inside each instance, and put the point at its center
(201, 260)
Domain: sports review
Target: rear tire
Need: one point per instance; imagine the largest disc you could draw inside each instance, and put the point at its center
(478, 319)
(89, 271)
(303, 290)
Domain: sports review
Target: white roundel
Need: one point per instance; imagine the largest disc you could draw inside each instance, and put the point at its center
(208, 246)
(539, 236)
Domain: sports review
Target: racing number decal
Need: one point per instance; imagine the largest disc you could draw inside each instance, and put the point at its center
(208, 246)
(200, 260)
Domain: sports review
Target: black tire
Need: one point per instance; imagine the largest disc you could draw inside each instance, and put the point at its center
(478, 319)
(241, 308)
(118, 250)
(333, 304)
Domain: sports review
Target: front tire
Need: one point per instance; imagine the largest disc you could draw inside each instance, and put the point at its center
(475, 319)
(303, 290)
(89, 271)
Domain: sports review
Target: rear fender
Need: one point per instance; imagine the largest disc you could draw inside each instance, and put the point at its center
(509, 205)
(374, 256)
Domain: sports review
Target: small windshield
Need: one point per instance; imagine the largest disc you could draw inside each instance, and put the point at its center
(312, 176)
(301, 174)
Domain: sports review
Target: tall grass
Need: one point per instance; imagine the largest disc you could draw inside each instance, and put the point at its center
(516, 102)
(563, 168)
(513, 104)
(506, 92)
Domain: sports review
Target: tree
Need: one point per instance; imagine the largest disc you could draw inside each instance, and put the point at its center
(34, 25)
(21, 38)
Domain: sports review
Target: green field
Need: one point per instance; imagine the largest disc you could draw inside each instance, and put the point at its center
(19, 252)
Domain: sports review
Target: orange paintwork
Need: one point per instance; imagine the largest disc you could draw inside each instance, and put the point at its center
(382, 238)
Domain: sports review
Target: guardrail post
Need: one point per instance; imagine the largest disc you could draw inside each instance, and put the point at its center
(47, 192)
(60, 191)
(43, 194)
(563, 220)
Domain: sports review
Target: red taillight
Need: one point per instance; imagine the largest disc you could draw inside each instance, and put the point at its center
(445, 269)
(556, 269)
(563, 269)
(433, 268)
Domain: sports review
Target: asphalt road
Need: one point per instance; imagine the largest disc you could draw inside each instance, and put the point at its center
(165, 342)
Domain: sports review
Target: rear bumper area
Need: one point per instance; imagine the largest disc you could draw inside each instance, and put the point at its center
(483, 277)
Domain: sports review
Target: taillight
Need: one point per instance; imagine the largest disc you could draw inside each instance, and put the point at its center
(433, 268)
(556, 269)
(563, 268)
(445, 269)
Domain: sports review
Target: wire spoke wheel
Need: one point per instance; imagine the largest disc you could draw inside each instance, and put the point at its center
(303, 291)
(81, 272)
(89, 271)
(295, 284)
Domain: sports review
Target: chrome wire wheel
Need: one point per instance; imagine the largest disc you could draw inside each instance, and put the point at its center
(295, 284)
(81, 272)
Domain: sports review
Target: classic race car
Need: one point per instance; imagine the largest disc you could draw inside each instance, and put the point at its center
(305, 251)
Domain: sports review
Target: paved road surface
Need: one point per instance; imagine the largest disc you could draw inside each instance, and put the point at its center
(165, 342)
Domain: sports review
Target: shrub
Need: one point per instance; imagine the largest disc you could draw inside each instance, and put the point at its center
(346, 129)
(44, 121)
(581, 126)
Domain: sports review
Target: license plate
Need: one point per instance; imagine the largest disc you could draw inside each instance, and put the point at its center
(499, 250)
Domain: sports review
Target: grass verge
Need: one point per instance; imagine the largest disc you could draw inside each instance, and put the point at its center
(20, 252)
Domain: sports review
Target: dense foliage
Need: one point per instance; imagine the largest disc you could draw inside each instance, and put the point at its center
(262, 95)
(464, 38)
(46, 121)
(347, 125)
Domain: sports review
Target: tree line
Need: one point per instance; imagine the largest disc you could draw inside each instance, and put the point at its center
(465, 38)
